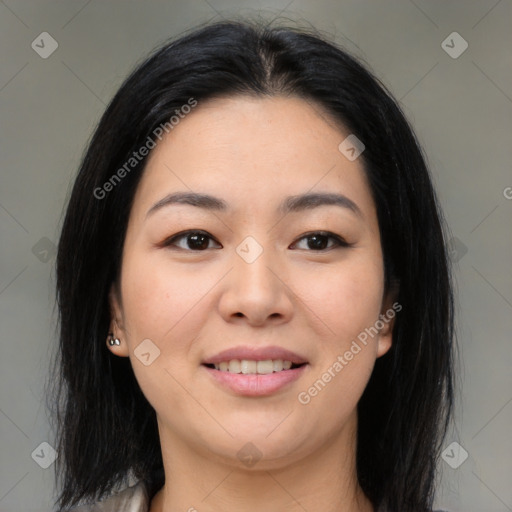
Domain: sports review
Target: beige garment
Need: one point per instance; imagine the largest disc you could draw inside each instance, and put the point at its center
(131, 499)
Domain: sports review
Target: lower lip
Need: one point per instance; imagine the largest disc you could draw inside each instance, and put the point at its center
(255, 384)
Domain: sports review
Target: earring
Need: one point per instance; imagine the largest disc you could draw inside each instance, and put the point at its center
(113, 341)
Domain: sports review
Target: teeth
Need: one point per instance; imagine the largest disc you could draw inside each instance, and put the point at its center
(234, 366)
(277, 365)
(247, 366)
(265, 367)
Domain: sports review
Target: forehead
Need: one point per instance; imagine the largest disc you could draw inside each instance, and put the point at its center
(253, 149)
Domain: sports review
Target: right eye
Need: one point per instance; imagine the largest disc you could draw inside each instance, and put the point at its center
(191, 241)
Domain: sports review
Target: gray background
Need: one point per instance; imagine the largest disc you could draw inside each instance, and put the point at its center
(460, 107)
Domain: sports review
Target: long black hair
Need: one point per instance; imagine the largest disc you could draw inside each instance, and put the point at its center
(106, 429)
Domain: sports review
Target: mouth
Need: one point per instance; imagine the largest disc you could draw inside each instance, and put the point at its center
(252, 367)
(254, 372)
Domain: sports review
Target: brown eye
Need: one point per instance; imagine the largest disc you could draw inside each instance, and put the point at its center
(197, 242)
(319, 241)
(191, 240)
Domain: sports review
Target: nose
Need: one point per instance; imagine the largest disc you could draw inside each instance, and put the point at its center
(256, 293)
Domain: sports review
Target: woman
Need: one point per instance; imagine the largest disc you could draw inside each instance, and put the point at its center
(255, 301)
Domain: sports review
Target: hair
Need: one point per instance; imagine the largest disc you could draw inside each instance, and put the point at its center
(106, 429)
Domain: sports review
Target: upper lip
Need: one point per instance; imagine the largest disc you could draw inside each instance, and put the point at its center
(255, 354)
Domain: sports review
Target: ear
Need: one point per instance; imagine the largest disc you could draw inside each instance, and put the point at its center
(117, 324)
(390, 308)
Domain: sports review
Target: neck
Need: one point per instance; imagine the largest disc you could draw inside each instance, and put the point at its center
(203, 482)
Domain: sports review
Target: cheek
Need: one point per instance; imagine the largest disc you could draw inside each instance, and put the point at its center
(159, 298)
(166, 304)
(348, 303)
(347, 298)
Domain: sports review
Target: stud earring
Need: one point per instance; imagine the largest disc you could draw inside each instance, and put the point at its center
(113, 341)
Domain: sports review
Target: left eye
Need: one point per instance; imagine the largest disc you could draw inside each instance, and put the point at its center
(319, 241)
(191, 240)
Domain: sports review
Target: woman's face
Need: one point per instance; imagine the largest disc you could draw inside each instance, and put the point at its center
(253, 241)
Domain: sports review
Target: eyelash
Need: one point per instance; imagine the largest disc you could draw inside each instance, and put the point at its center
(338, 241)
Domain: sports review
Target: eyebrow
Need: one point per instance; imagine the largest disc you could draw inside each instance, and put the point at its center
(314, 200)
(192, 198)
(291, 204)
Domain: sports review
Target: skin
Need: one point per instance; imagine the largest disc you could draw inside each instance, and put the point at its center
(252, 153)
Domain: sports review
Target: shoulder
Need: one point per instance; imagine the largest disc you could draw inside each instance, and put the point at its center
(131, 499)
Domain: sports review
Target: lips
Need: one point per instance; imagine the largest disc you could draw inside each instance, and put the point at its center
(255, 371)
(255, 354)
